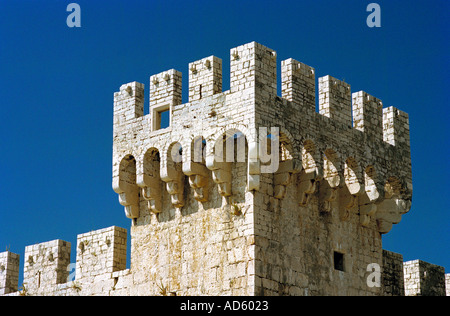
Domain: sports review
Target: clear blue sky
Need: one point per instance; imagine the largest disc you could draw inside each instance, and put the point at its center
(57, 86)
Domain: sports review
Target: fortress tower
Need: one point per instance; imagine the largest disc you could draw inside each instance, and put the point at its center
(220, 207)
(245, 192)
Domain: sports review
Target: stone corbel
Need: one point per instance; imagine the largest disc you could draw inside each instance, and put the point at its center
(221, 174)
(307, 184)
(306, 187)
(348, 198)
(390, 212)
(151, 190)
(174, 179)
(128, 196)
(254, 167)
(328, 194)
(346, 203)
(282, 178)
(368, 201)
(329, 191)
(198, 179)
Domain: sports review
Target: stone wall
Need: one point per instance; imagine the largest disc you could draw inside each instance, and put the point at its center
(226, 267)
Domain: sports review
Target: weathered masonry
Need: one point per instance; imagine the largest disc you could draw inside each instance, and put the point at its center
(210, 216)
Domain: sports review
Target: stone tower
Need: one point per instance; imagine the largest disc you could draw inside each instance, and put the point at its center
(246, 192)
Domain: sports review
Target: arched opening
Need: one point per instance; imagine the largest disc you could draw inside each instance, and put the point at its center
(127, 170)
(194, 166)
(370, 178)
(283, 174)
(198, 150)
(174, 154)
(150, 180)
(128, 190)
(151, 162)
(331, 164)
(309, 157)
(230, 147)
(353, 176)
(311, 172)
(286, 149)
(228, 161)
(332, 180)
(173, 174)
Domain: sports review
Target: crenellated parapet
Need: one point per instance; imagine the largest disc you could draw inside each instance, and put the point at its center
(353, 154)
(100, 263)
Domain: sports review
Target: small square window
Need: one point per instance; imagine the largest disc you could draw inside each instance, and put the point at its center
(164, 119)
(161, 117)
(338, 261)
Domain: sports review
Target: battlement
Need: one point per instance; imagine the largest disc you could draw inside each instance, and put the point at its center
(128, 103)
(368, 115)
(335, 100)
(101, 251)
(254, 66)
(424, 279)
(100, 256)
(298, 84)
(46, 264)
(205, 78)
(412, 278)
(253, 69)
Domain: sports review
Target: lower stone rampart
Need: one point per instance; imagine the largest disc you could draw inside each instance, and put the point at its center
(101, 271)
